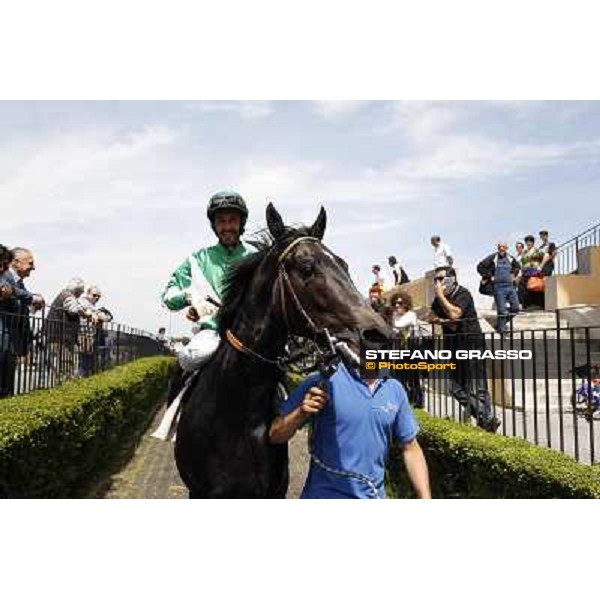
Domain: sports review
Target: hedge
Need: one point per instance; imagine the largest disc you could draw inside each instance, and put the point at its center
(54, 443)
(465, 462)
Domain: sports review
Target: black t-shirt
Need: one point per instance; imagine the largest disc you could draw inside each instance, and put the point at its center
(468, 323)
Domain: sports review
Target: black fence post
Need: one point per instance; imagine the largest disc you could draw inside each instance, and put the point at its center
(590, 395)
(559, 375)
(118, 346)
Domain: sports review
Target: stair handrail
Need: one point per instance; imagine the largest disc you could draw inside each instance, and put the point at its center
(579, 235)
(567, 252)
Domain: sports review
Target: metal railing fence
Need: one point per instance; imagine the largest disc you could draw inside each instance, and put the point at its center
(551, 400)
(37, 352)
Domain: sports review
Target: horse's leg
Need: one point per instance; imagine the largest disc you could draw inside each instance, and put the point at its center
(280, 475)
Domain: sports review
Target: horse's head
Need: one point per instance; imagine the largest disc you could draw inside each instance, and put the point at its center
(313, 288)
(295, 284)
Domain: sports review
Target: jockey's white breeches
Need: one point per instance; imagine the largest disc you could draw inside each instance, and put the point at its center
(199, 350)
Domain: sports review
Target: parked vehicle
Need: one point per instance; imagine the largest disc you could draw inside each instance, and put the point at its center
(586, 397)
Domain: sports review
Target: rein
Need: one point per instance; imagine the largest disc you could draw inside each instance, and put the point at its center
(241, 347)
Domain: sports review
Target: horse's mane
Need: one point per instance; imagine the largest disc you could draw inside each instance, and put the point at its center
(240, 275)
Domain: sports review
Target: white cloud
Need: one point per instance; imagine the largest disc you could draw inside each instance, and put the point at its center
(365, 227)
(290, 180)
(336, 108)
(440, 151)
(422, 121)
(70, 174)
(540, 110)
(248, 110)
(471, 157)
(124, 204)
(301, 183)
(254, 110)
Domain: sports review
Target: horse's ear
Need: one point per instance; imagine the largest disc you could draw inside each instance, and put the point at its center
(274, 222)
(318, 227)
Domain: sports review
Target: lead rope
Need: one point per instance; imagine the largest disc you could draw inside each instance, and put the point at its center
(347, 475)
(326, 371)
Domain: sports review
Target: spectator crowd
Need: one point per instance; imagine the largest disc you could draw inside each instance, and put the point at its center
(70, 330)
(66, 342)
(515, 281)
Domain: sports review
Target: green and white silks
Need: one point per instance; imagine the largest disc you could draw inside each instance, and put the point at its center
(200, 275)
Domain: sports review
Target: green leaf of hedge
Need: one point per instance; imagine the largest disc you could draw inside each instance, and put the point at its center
(54, 442)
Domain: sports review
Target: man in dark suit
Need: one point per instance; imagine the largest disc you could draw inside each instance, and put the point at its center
(16, 304)
(5, 294)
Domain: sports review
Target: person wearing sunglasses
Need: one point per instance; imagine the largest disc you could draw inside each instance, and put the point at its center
(404, 318)
(406, 326)
(454, 309)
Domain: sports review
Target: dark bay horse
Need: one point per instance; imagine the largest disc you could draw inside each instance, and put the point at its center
(293, 285)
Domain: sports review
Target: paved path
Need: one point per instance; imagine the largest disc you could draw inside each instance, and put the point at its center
(151, 473)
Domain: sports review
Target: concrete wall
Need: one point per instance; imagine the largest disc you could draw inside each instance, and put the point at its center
(567, 290)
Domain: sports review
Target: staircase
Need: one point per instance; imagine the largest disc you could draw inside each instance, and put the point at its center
(524, 321)
(576, 280)
(552, 386)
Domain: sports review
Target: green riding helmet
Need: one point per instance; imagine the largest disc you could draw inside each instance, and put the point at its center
(227, 200)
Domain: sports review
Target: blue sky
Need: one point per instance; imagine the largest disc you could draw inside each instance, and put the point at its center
(115, 192)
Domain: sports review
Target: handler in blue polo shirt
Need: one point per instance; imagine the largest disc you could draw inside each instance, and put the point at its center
(353, 424)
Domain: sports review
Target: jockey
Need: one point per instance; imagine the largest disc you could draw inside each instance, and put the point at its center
(200, 277)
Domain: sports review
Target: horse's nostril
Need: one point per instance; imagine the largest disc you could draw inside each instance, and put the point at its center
(374, 336)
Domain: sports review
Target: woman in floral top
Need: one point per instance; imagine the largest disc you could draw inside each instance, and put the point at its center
(532, 257)
(531, 261)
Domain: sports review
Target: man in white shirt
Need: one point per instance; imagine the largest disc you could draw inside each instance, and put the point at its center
(442, 253)
(380, 280)
(397, 271)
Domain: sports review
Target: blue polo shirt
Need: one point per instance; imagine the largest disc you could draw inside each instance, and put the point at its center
(352, 433)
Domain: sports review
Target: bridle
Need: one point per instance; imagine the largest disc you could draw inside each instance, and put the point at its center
(327, 358)
(284, 286)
